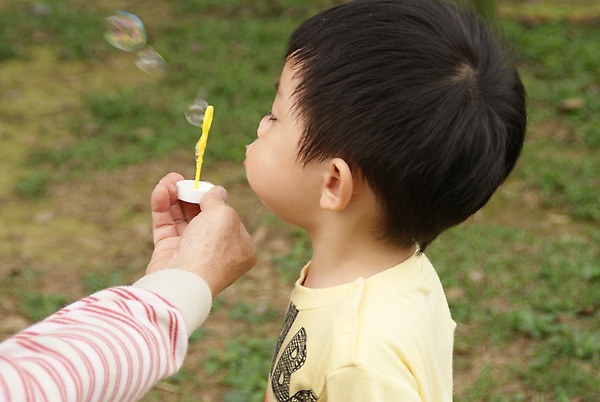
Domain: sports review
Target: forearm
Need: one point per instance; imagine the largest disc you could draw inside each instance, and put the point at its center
(113, 345)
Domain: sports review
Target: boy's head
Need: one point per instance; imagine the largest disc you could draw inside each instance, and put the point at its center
(420, 100)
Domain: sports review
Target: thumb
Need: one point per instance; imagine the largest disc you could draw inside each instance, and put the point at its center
(213, 198)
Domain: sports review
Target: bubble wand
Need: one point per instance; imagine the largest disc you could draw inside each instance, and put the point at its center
(200, 114)
(201, 144)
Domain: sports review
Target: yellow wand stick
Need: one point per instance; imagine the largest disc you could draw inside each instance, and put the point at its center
(201, 145)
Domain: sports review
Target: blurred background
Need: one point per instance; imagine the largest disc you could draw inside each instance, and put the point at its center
(85, 135)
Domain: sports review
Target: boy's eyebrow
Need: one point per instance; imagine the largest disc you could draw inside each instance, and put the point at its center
(277, 86)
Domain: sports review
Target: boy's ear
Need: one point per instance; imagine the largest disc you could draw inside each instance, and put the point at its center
(336, 191)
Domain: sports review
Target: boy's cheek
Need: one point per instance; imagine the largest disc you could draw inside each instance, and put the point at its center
(250, 165)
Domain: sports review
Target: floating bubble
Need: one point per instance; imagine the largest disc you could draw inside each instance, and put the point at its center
(125, 31)
(195, 112)
(149, 61)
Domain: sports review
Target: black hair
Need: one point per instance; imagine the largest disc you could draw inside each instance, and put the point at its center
(421, 98)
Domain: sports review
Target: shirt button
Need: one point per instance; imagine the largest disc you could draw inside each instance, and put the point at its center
(346, 328)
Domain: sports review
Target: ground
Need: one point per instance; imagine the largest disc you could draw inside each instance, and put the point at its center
(95, 229)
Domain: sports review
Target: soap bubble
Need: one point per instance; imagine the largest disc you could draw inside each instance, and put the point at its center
(149, 61)
(125, 31)
(195, 112)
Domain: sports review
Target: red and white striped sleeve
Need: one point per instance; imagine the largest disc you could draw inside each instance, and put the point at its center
(111, 346)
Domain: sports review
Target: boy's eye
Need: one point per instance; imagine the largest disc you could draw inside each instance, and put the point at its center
(265, 123)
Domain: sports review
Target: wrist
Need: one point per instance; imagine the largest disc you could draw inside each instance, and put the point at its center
(186, 291)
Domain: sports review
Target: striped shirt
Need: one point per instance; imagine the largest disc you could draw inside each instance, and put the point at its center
(111, 346)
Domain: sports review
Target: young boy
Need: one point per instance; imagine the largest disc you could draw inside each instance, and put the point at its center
(393, 121)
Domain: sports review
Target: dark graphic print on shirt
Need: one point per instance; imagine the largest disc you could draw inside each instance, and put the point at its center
(290, 361)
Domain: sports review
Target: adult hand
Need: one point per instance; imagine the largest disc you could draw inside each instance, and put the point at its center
(212, 244)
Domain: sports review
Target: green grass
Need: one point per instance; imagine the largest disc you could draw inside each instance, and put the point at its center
(540, 291)
(34, 184)
(70, 26)
(94, 282)
(288, 266)
(38, 306)
(560, 61)
(245, 365)
(253, 313)
(33, 304)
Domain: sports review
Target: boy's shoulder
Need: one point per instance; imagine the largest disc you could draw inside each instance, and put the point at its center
(406, 301)
(403, 320)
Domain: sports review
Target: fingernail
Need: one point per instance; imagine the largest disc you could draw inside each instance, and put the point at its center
(221, 192)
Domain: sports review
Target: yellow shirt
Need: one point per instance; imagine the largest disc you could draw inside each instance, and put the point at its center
(385, 338)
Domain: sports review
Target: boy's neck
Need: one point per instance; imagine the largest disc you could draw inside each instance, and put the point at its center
(345, 240)
(342, 256)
